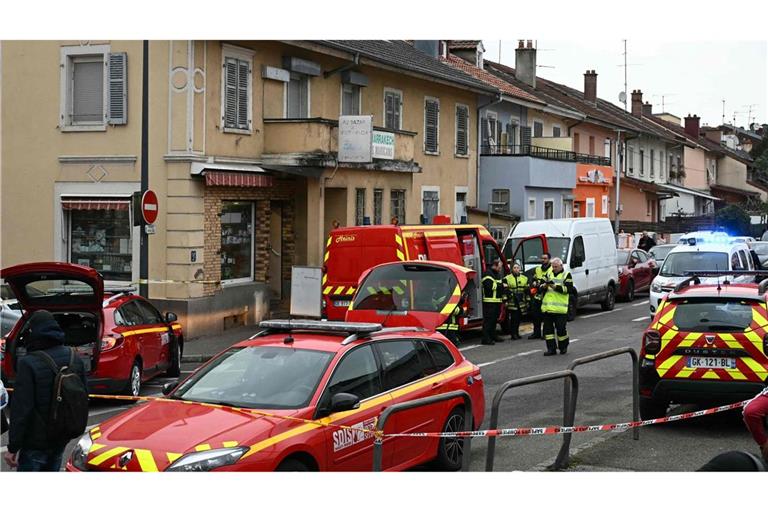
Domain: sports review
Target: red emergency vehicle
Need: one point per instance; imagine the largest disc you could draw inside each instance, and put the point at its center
(351, 251)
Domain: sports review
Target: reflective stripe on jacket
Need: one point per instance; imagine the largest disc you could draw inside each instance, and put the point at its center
(493, 296)
(556, 297)
(517, 291)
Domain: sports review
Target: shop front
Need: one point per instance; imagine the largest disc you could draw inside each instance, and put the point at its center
(592, 192)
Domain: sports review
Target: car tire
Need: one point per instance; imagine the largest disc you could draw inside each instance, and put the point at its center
(451, 449)
(133, 386)
(630, 291)
(292, 465)
(651, 409)
(174, 370)
(610, 299)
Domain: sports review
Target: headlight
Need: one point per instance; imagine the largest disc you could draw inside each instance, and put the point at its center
(656, 287)
(80, 453)
(208, 460)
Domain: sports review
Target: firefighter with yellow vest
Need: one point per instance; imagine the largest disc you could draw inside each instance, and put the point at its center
(492, 299)
(449, 328)
(540, 276)
(516, 290)
(554, 307)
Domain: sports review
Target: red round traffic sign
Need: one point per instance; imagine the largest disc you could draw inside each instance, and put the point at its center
(149, 207)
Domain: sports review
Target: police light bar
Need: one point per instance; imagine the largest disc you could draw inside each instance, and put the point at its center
(317, 325)
(718, 273)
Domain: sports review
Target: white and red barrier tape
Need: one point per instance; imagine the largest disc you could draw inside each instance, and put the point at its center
(540, 431)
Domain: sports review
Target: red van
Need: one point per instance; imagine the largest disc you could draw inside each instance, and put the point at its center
(351, 251)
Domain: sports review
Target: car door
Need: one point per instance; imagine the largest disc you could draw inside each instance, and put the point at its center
(409, 374)
(637, 270)
(154, 334)
(578, 265)
(358, 373)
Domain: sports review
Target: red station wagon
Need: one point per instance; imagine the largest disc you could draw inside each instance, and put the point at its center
(121, 338)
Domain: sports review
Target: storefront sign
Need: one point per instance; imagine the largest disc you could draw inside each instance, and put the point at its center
(355, 138)
(384, 145)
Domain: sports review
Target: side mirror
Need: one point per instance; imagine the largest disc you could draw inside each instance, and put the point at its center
(171, 317)
(169, 386)
(344, 402)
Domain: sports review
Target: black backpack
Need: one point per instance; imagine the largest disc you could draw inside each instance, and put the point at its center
(68, 415)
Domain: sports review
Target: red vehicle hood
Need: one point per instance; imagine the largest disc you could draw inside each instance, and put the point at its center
(160, 432)
(85, 294)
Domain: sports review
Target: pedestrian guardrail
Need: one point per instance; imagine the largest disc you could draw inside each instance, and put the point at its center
(516, 383)
(569, 404)
(421, 402)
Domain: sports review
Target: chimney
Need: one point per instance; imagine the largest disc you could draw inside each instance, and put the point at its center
(637, 103)
(647, 109)
(525, 63)
(692, 126)
(590, 86)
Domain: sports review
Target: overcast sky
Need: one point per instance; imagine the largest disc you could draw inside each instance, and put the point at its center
(694, 77)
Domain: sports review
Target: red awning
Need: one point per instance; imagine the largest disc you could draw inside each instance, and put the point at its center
(95, 204)
(237, 179)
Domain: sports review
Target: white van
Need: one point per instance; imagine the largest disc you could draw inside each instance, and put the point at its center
(587, 247)
(702, 257)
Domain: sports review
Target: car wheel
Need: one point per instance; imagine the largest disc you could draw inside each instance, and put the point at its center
(651, 409)
(292, 465)
(174, 370)
(610, 299)
(631, 291)
(451, 449)
(133, 388)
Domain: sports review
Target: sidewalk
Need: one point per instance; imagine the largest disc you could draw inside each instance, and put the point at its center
(202, 348)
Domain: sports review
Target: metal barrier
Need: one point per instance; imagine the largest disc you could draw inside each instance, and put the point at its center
(562, 459)
(421, 402)
(516, 383)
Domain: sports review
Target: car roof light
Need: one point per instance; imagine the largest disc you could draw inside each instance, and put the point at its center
(319, 325)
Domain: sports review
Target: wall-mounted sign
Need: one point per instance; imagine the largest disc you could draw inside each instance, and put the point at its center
(272, 73)
(383, 145)
(355, 138)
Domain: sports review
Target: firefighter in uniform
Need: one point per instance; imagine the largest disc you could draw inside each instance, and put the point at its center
(516, 288)
(450, 328)
(540, 276)
(554, 307)
(492, 298)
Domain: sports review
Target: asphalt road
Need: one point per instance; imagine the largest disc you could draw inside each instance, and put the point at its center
(605, 397)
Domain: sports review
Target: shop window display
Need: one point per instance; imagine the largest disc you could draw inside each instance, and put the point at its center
(236, 240)
(101, 239)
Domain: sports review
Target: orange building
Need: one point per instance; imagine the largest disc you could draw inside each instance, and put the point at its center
(591, 197)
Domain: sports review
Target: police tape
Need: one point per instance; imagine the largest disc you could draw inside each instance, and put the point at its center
(539, 431)
(175, 281)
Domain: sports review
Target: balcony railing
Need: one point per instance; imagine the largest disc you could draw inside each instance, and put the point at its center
(546, 153)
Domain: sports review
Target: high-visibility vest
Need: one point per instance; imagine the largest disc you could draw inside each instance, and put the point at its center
(494, 298)
(554, 301)
(517, 287)
(452, 323)
(539, 274)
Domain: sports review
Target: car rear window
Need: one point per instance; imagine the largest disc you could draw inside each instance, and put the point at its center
(713, 315)
(406, 287)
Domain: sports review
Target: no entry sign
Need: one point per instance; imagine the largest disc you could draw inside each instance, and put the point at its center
(149, 207)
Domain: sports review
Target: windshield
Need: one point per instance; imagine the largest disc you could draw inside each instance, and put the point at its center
(406, 287)
(678, 264)
(713, 315)
(259, 377)
(622, 257)
(558, 248)
(660, 251)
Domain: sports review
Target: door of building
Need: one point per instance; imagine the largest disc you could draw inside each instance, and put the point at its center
(275, 278)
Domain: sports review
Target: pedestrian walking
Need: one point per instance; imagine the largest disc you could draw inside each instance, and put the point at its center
(516, 288)
(554, 306)
(646, 242)
(540, 276)
(492, 298)
(50, 398)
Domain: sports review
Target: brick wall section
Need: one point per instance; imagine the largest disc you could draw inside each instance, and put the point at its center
(282, 191)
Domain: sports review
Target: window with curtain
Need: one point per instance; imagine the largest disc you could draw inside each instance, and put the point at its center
(378, 199)
(359, 206)
(397, 205)
(87, 90)
(350, 100)
(297, 97)
(430, 202)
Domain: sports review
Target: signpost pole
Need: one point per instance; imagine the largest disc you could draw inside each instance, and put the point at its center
(144, 250)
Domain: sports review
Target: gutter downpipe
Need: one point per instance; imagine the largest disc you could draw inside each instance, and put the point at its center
(479, 146)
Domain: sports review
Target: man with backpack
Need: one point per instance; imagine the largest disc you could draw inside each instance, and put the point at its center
(49, 403)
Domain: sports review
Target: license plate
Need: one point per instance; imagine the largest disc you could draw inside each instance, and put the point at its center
(711, 362)
(341, 303)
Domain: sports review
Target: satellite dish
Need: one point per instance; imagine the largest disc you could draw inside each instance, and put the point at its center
(623, 97)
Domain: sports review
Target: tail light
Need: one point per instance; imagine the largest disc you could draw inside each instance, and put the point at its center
(651, 342)
(110, 342)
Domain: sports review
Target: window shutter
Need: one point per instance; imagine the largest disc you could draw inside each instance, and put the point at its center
(304, 98)
(118, 88)
(431, 117)
(461, 130)
(243, 72)
(525, 135)
(398, 106)
(389, 111)
(230, 93)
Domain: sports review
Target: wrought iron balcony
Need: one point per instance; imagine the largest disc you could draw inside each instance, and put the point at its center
(545, 153)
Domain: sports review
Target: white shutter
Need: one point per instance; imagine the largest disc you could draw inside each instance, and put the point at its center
(118, 88)
(88, 91)
(230, 93)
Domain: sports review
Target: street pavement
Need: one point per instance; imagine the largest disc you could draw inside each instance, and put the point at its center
(605, 397)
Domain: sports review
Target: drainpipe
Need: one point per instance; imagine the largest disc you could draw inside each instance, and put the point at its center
(479, 141)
